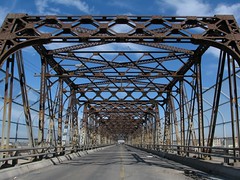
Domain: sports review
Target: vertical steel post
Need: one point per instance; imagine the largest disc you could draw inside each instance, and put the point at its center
(23, 86)
(181, 109)
(175, 120)
(66, 124)
(52, 111)
(94, 130)
(154, 130)
(60, 112)
(7, 105)
(42, 102)
(236, 105)
(199, 103)
(75, 130)
(83, 135)
(233, 99)
(167, 129)
(144, 133)
(190, 112)
(10, 101)
(216, 98)
(158, 125)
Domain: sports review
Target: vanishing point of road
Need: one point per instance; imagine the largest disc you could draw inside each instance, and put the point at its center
(118, 162)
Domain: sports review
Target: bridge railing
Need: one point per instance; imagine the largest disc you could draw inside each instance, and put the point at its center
(11, 157)
(220, 154)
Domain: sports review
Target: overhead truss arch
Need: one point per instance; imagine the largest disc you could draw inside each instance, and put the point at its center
(121, 73)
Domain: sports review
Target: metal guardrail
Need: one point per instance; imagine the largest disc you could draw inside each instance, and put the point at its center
(38, 153)
(203, 152)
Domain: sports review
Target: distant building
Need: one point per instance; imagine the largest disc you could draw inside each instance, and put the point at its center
(121, 141)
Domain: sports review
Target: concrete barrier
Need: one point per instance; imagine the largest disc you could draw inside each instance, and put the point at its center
(12, 172)
(218, 169)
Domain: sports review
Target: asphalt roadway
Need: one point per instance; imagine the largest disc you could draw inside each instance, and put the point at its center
(118, 162)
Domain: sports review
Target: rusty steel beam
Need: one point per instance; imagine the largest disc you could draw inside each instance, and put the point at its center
(7, 105)
(27, 113)
(121, 90)
(42, 103)
(179, 25)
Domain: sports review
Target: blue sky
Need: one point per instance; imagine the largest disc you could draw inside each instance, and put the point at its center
(129, 7)
(126, 7)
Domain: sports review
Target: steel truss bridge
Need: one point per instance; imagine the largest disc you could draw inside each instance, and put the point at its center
(144, 79)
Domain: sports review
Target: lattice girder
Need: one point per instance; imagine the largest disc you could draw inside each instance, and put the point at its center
(122, 85)
(21, 30)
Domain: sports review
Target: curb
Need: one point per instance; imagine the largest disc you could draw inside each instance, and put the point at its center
(18, 170)
(208, 167)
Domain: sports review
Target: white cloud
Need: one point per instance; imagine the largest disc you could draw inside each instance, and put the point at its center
(52, 46)
(121, 4)
(3, 13)
(46, 6)
(79, 4)
(214, 51)
(229, 9)
(185, 7)
(128, 14)
(41, 5)
(5, 10)
(198, 8)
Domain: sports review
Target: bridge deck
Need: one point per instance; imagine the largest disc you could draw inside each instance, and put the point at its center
(116, 162)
